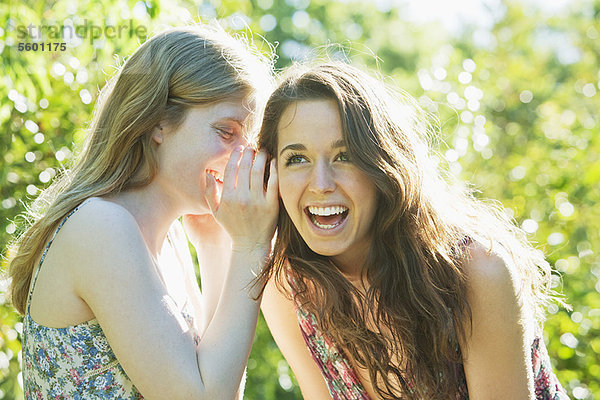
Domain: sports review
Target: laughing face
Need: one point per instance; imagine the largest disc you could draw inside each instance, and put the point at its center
(330, 201)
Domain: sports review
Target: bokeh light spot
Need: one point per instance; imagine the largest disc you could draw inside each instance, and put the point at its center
(268, 22)
(526, 96)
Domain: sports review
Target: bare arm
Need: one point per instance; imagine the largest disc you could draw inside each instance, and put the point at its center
(116, 277)
(498, 350)
(214, 252)
(213, 248)
(280, 314)
(248, 213)
(119, 282)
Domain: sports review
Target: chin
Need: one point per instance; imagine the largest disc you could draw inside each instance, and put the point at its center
(327, 251)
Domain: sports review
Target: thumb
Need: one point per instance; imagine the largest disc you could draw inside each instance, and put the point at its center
(211, 194)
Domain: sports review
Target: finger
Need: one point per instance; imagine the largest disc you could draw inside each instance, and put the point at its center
(258, 173)
(211, 194)
(230, 173)
(243, 176)
(273, 184)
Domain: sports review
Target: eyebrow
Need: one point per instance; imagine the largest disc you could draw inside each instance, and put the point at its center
(299, 146)
(338, 143)
(233, 119)
(295, 146)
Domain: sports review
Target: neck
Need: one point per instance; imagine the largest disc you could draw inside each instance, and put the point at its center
(352, 262)
(154, 213)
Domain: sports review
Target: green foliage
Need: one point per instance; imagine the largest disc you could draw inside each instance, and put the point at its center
(518, 107)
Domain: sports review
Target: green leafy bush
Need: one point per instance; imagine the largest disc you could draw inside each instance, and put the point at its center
(517, 104)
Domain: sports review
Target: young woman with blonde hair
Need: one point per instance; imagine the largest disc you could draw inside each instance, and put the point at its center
(103, 274)
(387, 281)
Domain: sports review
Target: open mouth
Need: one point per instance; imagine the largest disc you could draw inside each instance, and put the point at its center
(327, 217)
(216, 174)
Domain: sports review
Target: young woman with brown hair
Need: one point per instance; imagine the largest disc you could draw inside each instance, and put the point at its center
(103, 275)
(386, 280)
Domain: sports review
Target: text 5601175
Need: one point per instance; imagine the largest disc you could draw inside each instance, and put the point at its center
(48, 46)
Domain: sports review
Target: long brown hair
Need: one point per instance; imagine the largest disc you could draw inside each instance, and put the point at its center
(416, 285)
(176, 69)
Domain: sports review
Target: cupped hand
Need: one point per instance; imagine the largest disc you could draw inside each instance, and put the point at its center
(246, 210)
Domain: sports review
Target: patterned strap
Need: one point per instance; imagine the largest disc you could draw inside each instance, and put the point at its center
(37, 271)
(340, 376)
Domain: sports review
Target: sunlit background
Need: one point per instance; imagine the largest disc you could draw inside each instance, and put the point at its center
(513, 84)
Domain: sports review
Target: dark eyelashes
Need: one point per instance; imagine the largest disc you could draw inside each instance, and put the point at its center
(343, 154)
(289, 159)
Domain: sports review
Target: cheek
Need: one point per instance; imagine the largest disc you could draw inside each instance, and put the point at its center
(290, 192)
(365, 193)
(216, 149)
(210, 155)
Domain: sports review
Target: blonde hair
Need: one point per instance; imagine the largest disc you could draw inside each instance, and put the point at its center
(176, 69)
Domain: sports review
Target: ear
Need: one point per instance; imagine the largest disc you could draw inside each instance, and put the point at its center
(157, 134)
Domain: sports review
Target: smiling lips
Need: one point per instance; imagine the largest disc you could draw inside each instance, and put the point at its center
(327, 217)
(216, 174)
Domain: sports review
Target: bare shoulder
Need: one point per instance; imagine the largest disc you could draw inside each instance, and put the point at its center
(280, 315)
(490, 267)
(276, 304)
(99, 217)
(99, 234)
(100, 221)
(493, 291)
(496, 348)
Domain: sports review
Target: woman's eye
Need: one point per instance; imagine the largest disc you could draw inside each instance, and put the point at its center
(294, 159)
(224, 133)
(343, 156)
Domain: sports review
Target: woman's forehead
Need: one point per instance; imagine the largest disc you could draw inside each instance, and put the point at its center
(238, 109)
(309, 119)
(315, 124)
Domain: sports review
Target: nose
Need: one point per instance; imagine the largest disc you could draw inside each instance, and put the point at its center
(322, 178)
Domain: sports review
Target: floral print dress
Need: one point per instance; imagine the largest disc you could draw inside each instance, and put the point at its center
(344, 383)
(75, 362)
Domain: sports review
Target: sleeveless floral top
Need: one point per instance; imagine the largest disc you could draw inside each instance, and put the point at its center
(76, 362)
(344, 383)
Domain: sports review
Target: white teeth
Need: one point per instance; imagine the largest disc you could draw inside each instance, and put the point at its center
(217, 175)
(322, 226)
(327, 211)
